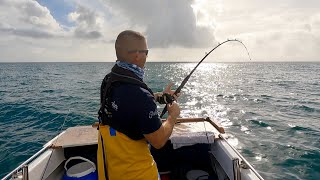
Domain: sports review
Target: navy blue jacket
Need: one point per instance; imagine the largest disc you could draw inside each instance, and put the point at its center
(135, 110)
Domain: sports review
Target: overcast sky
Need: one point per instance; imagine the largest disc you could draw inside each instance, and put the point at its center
(176, 30)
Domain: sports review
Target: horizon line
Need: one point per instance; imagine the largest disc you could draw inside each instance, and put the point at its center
(21, 62)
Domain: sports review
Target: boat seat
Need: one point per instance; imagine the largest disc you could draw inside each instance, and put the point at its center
(77, 136)
(187, 134)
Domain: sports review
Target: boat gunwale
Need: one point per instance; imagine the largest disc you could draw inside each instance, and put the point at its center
(36, 155)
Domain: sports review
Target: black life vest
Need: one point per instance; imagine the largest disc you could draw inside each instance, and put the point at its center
(116, 77)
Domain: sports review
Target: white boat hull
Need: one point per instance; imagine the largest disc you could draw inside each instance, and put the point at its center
(49, 162)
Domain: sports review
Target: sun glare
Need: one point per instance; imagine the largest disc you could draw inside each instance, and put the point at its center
(200, 11)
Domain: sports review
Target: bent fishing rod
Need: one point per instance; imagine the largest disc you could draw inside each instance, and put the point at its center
(187, 78)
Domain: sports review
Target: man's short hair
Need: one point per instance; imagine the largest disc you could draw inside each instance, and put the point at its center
(128, 34)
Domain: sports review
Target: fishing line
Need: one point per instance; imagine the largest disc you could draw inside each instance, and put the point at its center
(187, 78)
(60, 129)
(64, 121)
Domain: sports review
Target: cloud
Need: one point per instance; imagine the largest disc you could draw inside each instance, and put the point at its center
(176, 30)
(26, 33)
(87, 35)
(27, 19)
(88, 23)
(286, 32)
(36, 15)
(30, 29)
(314, 25)
(166, 23)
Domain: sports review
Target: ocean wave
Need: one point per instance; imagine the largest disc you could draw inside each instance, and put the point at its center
(266, 96)
(304, 108)
(48, 91)
(259, 123)
(300, 128)
(257, 100)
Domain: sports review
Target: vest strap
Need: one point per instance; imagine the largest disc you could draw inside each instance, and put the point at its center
(117, 75)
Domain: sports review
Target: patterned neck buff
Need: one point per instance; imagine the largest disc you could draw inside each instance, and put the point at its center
(131, 67)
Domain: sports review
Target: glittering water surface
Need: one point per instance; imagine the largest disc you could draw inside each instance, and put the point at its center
(271, 110)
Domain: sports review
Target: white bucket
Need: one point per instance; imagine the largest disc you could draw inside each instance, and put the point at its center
(80, 170)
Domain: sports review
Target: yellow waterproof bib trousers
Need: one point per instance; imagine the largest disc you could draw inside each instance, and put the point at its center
(125, 159)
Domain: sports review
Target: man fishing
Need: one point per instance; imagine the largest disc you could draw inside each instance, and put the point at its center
(128, 115)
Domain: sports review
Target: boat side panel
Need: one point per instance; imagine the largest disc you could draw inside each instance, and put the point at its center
(230, 162)
(225, 156)
(46, 163)
(57, 173)
(219, 171)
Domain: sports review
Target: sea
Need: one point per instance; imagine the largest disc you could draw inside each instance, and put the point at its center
(270, 110)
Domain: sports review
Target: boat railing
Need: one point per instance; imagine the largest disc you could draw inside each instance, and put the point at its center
(24, 164)
(246, 163)
(23, 167)
(213, 123)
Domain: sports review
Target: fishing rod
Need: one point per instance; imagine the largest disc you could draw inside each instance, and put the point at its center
(187, 78)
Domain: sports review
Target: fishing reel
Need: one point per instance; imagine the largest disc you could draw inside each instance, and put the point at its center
(165, 98)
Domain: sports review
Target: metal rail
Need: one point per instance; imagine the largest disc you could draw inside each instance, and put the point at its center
(26, 162)
(45, 147)
(242, 158)
(213, 123)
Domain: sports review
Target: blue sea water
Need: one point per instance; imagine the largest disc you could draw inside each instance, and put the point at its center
(270, 110)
